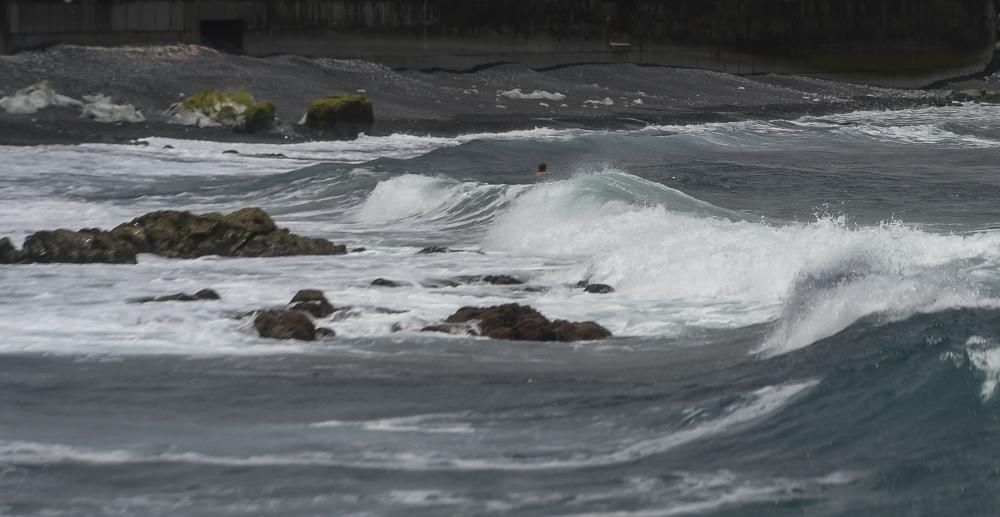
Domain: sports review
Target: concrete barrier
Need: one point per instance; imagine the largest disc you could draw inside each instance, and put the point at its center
(891, 42)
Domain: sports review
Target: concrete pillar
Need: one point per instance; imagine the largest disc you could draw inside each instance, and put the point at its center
(4, 29)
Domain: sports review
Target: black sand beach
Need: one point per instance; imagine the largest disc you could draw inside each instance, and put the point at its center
(426, 103)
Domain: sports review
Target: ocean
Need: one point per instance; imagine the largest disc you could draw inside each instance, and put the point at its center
(806, 321)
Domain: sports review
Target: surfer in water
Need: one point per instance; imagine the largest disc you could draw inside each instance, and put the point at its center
(542, 170)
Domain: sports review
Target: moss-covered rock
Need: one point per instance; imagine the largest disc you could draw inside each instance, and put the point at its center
(258, 118)
(344, 116)
(236, 109)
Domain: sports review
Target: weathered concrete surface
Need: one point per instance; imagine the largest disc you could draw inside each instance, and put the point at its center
(890, 42)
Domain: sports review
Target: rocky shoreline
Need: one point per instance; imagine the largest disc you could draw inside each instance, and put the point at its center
(495, 99)
(251, 232)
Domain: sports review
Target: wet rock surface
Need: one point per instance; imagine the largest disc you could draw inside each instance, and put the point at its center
(594, 288)
(313, 302)
(77, 247)
(204, 294)
(8, 253)
(521, 322)
(249, 232)
(285, 324)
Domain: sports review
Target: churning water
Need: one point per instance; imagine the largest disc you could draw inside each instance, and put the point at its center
(807, 322)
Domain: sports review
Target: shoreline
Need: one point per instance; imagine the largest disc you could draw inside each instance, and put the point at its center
(69, 130)
(444, 104)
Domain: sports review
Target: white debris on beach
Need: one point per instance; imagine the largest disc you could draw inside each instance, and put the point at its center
(30, 100)
(541, 95)
(101, 109)
(41, 95)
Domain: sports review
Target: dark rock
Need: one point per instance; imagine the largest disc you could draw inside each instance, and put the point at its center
(501, 280)
(579, 331)
(382, 282)
(249, 232)
(344, 116)
(285, 325)
(433, 249)
(309, 295)
(312, 301)
(82, 247)
(386, 310)
(204, 294)
(442, 282)
(318, 309)
(521, 322)
(599, 289)
(325, 332)
(8, 253)
(358, 250)
(450, 329)
(207, 294)
(258, 118)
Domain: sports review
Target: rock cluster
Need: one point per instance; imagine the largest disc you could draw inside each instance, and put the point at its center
(249, 232)
(520, 322)
(295, 321)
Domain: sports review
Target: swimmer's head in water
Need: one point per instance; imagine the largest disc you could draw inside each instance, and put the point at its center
(542, 167)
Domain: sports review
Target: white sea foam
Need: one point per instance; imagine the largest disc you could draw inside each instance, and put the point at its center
(668, 247)
(443, 423)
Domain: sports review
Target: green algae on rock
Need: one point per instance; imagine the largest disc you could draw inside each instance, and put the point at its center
(235, 109)
(344, 116)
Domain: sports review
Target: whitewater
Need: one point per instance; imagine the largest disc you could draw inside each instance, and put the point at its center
(806, 320)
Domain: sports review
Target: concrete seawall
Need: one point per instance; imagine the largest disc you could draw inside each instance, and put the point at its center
(902, 43)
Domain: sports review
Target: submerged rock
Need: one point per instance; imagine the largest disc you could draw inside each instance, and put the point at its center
(501, 280)
(594, 288)
(204, 294)
(446, 328)
(434, 249)
(382, 282)
(521, 322)
(285, 324)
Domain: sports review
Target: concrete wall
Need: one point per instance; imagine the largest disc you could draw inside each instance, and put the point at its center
(895, 42)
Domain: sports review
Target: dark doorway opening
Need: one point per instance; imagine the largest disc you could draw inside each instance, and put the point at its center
(224, 35)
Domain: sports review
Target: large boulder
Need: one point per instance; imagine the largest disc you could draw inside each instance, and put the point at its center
(81, 247)
(279, 324)
(249, 232)
(8, 253)
(343, 116)
(521, 322)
